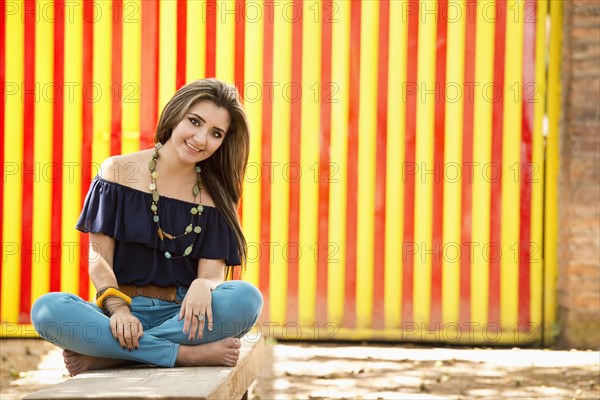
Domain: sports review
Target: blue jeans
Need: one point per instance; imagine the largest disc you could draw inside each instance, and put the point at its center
(72, 323)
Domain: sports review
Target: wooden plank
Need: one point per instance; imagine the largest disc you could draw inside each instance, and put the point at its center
(202, 383)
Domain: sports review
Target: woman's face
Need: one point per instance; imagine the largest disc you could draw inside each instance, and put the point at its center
(201, 132)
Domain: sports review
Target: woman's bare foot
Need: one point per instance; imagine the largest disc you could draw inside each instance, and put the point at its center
(77, 363)
(222, 352)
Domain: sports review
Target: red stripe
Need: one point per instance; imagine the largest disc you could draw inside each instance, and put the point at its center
(211, 37)
(240, 50)
(496, 165)
(57, 149)
(117, 79)
(240, 208)
(28, 248)
(294, 201)
(87, 139)
(2, 122)
(324, 247)
(380, 167)
(265, 198)
(409, 246)
(149, 79)
(180, 77)
(351, 218)
(438, 163)
(467, 170)
(237, 274)
(526, 165)
(240, 45)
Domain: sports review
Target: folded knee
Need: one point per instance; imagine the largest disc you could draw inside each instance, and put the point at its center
(257, 299)
(241, 296)
(50, 309)
(250, 297)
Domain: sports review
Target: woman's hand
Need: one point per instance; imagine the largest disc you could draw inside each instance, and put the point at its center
(197, 302)
(126, 328)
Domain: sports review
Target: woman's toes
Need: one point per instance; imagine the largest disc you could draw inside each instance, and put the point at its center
(233, 361)
(234, 343)
(71, 370)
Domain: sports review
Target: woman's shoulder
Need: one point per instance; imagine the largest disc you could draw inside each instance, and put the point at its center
(127, 169)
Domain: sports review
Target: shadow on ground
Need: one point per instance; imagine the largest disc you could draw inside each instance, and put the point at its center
(354, 371)
(342, 371)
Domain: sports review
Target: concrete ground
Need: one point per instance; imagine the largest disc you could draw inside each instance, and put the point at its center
(347, 371)
(366, 371)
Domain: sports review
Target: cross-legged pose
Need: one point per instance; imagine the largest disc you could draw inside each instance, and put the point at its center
(164, 233)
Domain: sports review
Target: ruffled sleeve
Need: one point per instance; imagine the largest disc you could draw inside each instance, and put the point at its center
(116, 211)
(123, 213)
(218, 241)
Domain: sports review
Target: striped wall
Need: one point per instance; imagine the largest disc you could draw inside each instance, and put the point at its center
(395, 188)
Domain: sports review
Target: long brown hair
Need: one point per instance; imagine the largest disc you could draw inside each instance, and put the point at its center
(223, 172)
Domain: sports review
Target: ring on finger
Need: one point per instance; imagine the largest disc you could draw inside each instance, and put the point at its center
(200, 317)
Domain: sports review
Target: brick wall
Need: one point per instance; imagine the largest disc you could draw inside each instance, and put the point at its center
(579, 181)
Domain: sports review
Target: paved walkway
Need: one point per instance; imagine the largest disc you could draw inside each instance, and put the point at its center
(317, 371)
(341, 371)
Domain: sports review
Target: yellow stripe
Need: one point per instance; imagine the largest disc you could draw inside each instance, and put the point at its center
(309, 150)
(482, 147)
(167, 52)
(473, 336)
(452, 170)
(225, 41)
(253, 103)
(424, 161)
(42, 150)
(552, 168)
(280, 144)
(477, 334)
(339, 133)
(102, 101)
(511, 164)
(196, 40)
(13, 168)
(537, 199)
(367, 126)
(394, 196)
(102, 106)
(8, 329)
(72, 137)
(132, 61)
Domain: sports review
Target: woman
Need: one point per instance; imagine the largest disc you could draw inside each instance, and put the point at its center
(163, 233)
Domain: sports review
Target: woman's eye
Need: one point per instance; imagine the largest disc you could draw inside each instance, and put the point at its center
(217, 134)
(195, 122)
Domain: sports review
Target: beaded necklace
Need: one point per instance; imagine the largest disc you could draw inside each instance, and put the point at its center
(195, 211)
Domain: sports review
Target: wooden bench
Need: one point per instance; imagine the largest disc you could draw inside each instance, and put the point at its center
(164, 383)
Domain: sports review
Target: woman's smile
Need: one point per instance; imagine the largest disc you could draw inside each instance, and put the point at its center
(201, 132)
(193, 147)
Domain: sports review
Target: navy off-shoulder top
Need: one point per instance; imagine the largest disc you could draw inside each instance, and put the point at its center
(123, 213)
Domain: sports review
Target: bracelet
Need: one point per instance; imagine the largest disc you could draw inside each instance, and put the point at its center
(111, 304)
(104, 289)
(112, 292)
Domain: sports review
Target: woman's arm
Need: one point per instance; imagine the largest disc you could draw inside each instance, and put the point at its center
(101, 253)
(212, 271)
(198, 300)
(125, 327)
(102, 247)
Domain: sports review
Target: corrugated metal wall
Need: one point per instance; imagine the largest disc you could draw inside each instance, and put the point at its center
(396, 182)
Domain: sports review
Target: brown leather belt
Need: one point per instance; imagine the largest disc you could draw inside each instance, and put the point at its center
(168, 293)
